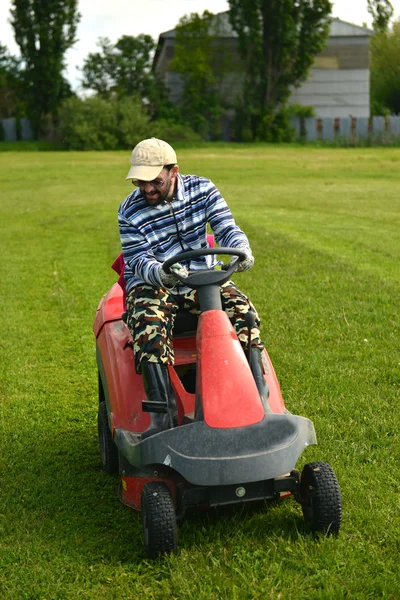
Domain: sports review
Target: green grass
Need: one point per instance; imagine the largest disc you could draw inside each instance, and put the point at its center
(324, 228)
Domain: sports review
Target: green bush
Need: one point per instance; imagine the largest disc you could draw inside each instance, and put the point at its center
(275, 127)
(243, 122)
(133, 123)
(89, 124)
(174, 132)
(98, 124)
(300, 110)
(272, 125)
(378, 109)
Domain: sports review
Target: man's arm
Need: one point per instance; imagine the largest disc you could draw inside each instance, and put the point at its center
(220, 218)
(227, 233)
(138, 255)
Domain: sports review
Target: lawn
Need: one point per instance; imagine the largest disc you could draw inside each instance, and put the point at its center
(325, 231)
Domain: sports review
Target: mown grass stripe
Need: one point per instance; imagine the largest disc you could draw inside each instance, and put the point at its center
(323, 227)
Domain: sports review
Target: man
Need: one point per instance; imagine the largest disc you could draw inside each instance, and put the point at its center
(167, 214)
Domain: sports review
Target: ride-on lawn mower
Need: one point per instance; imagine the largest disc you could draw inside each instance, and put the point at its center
(235, 441)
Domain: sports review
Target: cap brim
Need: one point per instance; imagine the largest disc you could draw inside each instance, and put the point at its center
(144, 173)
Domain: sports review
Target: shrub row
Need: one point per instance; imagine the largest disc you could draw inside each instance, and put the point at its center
(98, 124)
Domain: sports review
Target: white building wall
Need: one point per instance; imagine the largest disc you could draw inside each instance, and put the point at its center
(332, 93)
(335, 92)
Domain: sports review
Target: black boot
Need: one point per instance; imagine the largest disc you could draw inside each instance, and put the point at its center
(256, 366)
(161, 402)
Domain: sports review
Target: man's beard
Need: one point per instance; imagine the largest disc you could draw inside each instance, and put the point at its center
(160, 198)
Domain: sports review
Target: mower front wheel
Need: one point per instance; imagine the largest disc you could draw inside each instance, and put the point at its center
(320, 498)
(108, 449)
(158, 519)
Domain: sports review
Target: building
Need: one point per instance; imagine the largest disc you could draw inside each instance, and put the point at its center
(338, 84)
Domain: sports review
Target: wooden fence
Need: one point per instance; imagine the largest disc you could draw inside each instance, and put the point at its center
(377, 130)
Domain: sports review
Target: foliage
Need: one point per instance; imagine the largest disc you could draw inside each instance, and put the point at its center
(381, 12)
(323, 225)
(202, 75)
(124, 69)
(301, 110)
(278, 42)
(133, 121)
(174, 131)
(99, 124)
(385, 71)
(11, 85)
(44, 31)
(282, 130)
(89, 124)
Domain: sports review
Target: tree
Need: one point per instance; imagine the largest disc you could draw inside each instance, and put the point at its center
(278, 40)
(124, 69)
(11, 85)
(381, 12)
(44, 31)
(385, 71)
(202, 68)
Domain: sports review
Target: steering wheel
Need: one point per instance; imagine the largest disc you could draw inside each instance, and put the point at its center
(205, 276)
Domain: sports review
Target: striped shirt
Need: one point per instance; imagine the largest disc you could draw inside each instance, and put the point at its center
(151, 234)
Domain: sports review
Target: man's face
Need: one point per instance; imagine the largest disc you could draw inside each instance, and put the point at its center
(159, 189)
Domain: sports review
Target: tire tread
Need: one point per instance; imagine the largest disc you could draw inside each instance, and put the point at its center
(158, 515)
(320, 486)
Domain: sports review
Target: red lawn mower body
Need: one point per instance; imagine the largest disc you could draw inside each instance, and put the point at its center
(229, 446)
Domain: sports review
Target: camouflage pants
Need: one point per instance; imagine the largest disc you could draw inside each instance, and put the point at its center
(151, 316)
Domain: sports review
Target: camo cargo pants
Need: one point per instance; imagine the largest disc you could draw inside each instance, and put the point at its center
(151, 316)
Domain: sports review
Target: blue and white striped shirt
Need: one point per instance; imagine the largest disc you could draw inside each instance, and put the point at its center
(149, 233)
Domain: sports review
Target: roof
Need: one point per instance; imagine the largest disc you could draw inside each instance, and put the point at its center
(338, 28)
(341, 28)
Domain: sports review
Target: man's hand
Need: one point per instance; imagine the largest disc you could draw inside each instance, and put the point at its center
(248, 262)
(168, 280)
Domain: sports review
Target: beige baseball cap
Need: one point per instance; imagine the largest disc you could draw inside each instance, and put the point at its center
(149, 157)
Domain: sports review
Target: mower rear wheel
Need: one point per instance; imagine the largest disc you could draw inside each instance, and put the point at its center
(158, 519)
(108, 449)
(320, 498)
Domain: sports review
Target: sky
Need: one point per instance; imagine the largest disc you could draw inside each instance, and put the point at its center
(115, 18)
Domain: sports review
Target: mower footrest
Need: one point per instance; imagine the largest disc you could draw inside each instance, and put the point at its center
(154, 407)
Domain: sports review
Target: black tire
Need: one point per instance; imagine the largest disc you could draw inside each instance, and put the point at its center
(158, 519)
(108, 449)
(320, 498)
